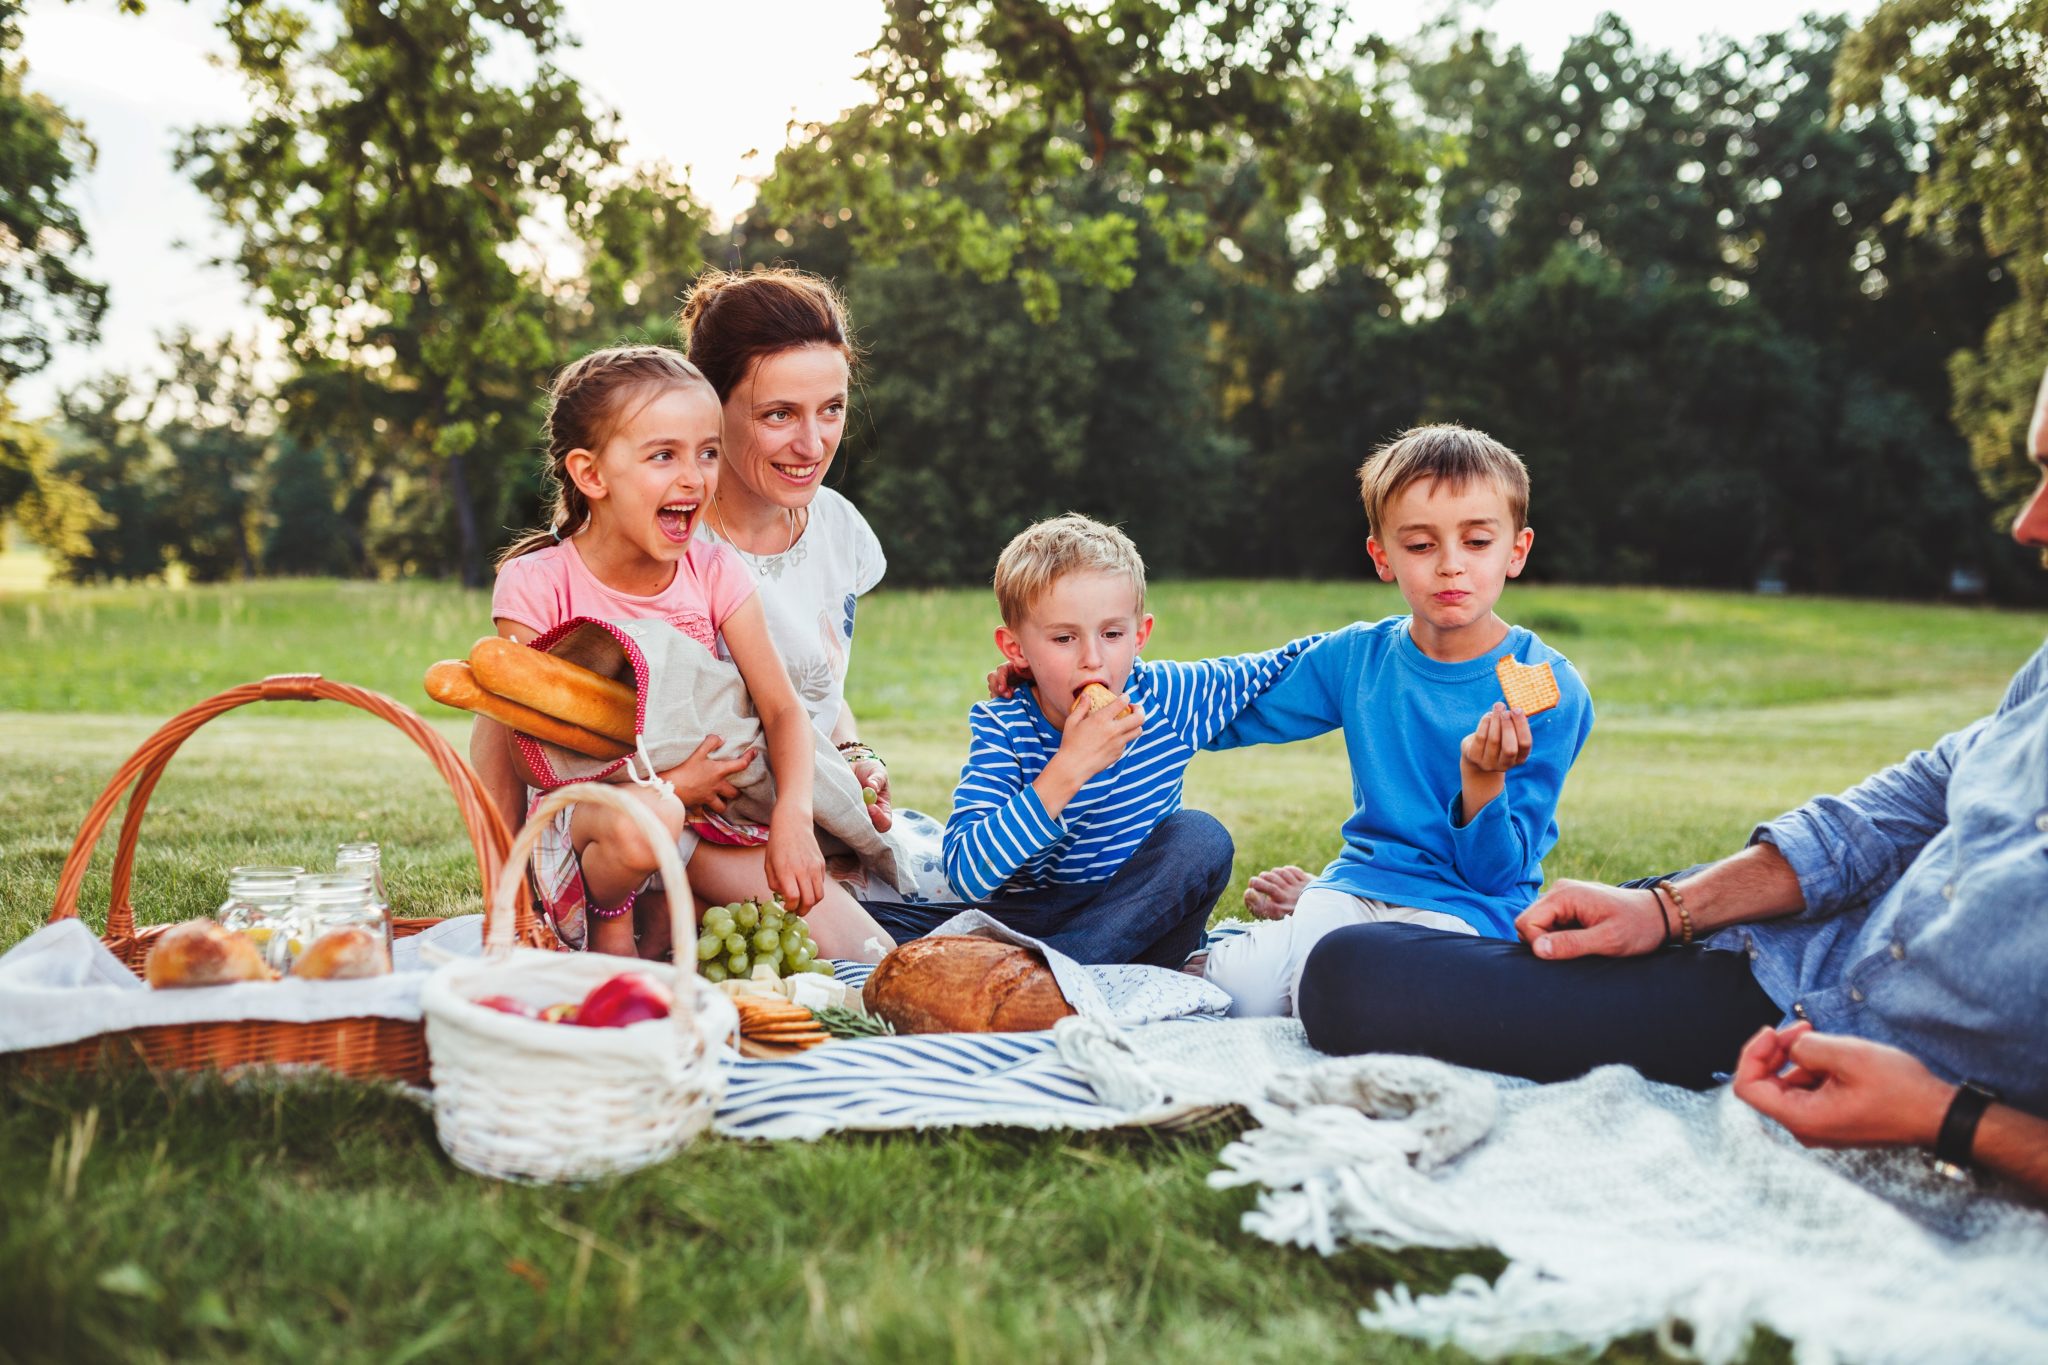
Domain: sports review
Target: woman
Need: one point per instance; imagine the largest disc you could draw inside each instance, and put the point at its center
(776, 347)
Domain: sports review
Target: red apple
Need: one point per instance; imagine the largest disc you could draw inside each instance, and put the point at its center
(627, 998)
(505, 1004)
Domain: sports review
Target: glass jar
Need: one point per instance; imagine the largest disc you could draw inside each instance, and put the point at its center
(361, 857)
(259, 903)
(326, 901)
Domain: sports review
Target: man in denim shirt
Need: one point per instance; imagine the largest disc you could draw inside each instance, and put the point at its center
(1901, 928)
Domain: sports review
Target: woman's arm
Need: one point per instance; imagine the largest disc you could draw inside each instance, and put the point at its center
(796, 867)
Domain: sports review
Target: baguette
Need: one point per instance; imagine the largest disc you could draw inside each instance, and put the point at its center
(555, 687)
(451, 683)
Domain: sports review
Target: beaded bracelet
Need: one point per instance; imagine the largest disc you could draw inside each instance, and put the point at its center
(624, 907)
(853, 751)
(1677, 897)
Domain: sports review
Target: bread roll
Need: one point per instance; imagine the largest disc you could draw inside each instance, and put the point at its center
(451, 683)
(1097, 696)
(957, 984)
(200, 952)
(555, 687)
(344, 954)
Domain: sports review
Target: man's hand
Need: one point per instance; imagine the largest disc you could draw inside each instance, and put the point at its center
(703, 782)
(1831, 1090)
(873, 775)
(1590, 919)
(1499, 742)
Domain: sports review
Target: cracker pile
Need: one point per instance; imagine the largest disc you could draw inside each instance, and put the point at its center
(772, 1027)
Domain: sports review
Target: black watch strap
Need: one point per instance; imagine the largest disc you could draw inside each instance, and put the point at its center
(1959, 1125)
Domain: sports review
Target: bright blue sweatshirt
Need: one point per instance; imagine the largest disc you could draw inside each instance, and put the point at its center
(1403, 715)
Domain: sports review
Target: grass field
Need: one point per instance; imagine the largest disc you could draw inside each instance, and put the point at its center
(141, 1220)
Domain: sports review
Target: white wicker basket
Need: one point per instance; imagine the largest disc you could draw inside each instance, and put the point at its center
(519, 1099)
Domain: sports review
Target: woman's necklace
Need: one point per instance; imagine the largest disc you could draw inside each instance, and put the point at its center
(770, 565)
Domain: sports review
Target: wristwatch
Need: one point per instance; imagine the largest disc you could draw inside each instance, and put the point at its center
(1959, 1130)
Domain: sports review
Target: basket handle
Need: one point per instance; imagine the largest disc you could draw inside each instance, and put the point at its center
(487, 834)
(506, 894)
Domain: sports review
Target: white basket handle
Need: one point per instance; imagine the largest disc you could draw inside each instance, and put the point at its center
(682, 908)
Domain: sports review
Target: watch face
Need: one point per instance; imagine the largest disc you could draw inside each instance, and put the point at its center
(1959, 1174)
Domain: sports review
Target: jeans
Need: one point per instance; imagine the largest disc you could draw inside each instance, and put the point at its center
(1152, 911)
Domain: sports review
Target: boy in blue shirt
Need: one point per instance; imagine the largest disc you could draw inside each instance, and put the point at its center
(1456, 792)
(1067, 822)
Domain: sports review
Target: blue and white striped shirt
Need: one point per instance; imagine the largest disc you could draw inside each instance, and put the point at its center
(999, 836)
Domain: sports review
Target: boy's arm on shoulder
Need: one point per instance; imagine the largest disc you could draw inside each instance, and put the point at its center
(998, 822)
(1495, 851)
(1279, 695)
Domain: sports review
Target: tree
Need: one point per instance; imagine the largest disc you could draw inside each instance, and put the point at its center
(105, 449)
(397, 204)
(42, 150)
(1192, 115)
(1978, 64)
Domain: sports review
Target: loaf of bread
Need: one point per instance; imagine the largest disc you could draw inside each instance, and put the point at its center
(200, 952)
(956, 984)
(555, 687)
(452, 683)
(344, 954)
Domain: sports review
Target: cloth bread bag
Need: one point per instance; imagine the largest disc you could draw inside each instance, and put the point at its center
(684, 693)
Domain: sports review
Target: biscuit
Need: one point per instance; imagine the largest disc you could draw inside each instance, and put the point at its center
(1528, 690)
(1097, 696)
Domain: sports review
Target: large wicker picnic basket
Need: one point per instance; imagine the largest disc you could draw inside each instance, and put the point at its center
(393, 1048)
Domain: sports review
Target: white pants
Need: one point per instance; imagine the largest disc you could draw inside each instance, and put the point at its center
(1262, 969)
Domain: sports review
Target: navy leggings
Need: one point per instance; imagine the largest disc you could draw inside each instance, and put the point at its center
(1680, 1015)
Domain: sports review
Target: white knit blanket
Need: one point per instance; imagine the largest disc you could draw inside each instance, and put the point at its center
(1625, 1207)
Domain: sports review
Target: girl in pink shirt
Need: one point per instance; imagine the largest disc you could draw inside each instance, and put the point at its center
(633, 450)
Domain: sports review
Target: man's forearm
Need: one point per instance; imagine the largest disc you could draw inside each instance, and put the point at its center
(1755, 884)
(2015, 1145)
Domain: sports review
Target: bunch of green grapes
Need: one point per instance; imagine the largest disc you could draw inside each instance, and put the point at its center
(734, 939)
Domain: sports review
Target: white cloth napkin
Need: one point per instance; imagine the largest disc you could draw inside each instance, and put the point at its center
(60, 985)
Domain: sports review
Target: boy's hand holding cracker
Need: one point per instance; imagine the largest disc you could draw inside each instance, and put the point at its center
(1499, 742)
(1093, 737)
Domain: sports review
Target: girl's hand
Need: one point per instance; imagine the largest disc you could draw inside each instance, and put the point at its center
(795, 865)
(703, 782)
(873, 775)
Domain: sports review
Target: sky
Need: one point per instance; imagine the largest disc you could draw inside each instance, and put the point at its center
(137, 83)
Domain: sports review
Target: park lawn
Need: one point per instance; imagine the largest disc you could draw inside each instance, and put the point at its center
(141, 1219)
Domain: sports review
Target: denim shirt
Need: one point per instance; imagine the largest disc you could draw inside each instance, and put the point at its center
(1926, 889)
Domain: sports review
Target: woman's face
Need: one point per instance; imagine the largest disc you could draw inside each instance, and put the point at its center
(783, 423)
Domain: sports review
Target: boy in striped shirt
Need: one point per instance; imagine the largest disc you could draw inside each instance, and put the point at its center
(1067, 823)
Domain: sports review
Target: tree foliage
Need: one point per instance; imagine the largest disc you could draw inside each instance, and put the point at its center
(412, 221)
(1982, 67)
(1193, 115)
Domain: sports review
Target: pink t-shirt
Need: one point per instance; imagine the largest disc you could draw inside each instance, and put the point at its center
(543, 589)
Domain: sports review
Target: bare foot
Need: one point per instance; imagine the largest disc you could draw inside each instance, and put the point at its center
(1272, 894)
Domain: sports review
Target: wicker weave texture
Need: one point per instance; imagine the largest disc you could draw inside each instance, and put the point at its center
(367, 1047)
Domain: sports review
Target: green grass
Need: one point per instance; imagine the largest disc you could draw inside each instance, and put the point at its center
(144, 1220)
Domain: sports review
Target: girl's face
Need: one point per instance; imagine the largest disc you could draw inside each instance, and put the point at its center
(649, 484)
(784, 421)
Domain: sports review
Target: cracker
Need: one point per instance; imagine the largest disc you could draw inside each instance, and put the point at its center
(1528, 690)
